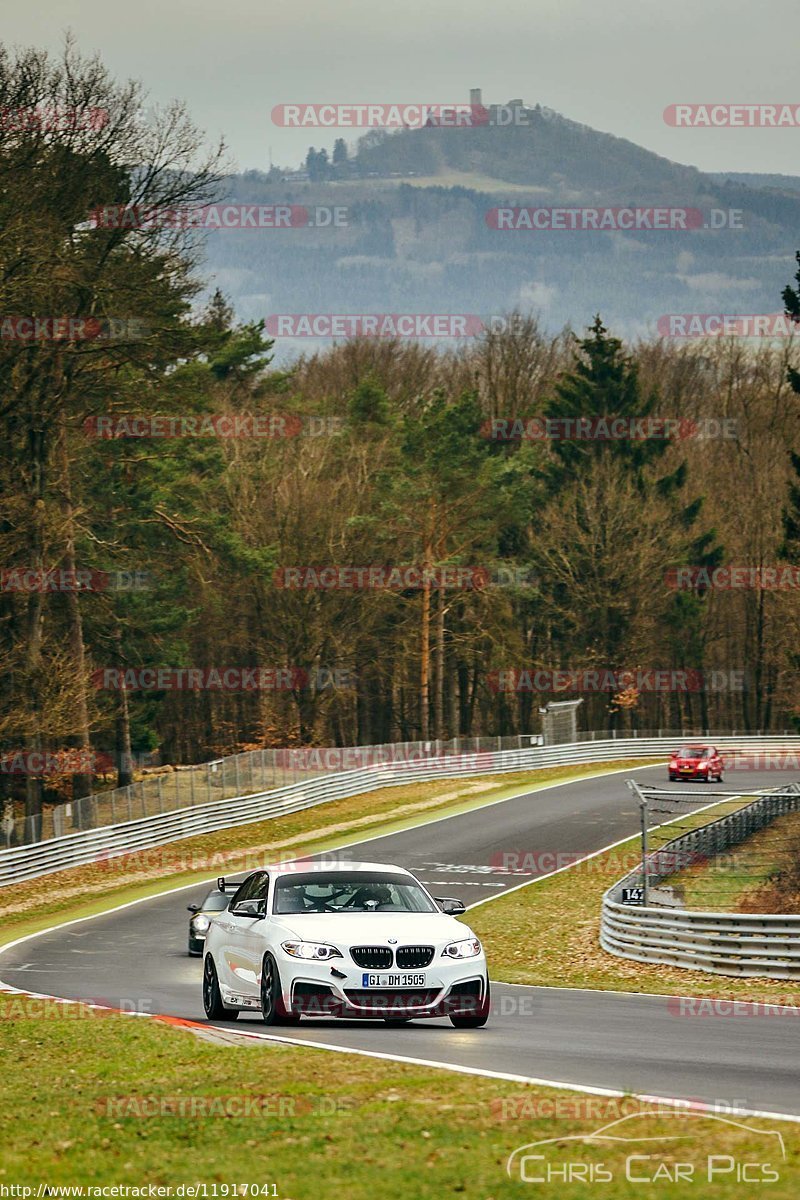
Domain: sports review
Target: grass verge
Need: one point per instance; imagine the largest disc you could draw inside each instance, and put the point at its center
(758, 875)
(126, 1101)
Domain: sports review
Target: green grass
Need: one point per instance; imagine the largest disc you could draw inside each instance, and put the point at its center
(319, 1124)
(727, 881)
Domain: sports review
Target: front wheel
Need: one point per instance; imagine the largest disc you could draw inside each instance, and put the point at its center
(474, 1020)
(273, 1009)
(212, 997)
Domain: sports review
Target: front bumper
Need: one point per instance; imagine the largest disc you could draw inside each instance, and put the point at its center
(688, 773)
(449, 987)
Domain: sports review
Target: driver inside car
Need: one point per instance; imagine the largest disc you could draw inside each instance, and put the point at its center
(373, 896)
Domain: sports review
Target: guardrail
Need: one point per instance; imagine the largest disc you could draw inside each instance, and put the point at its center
(743, 944)
(26, 862)
(252, 772)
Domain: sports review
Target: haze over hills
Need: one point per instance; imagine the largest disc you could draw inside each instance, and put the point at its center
(417, 237)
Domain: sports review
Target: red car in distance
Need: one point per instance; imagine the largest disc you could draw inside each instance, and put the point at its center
(696, 762)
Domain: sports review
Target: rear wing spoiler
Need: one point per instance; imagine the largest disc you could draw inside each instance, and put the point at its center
(224, 886)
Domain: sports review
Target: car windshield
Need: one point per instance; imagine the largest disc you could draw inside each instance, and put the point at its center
(695, 752)
(215, 901)
(339, 892)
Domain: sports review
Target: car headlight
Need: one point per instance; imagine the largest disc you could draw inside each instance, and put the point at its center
(466, 949)
(317, 950)
(199, 923)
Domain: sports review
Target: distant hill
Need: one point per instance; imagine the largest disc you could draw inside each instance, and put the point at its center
(544, 150)
(784, 183)
(417, 238)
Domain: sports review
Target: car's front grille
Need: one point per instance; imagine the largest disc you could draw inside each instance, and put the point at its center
(413, 957)
(389, 998)
(373, 957)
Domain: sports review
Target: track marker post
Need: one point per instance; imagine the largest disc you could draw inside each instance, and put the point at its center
(644, 815)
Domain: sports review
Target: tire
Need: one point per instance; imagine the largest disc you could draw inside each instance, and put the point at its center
(673, 778)
(212, 997)
(273, 1009)
(474, 1020)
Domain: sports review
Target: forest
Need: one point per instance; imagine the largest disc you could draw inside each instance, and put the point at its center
(202, 551)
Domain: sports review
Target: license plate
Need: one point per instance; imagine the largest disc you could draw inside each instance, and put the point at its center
(369, 980)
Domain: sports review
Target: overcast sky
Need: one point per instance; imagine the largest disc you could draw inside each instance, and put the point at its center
(613, 65)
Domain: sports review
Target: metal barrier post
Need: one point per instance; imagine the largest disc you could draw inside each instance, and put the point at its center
(644, 813)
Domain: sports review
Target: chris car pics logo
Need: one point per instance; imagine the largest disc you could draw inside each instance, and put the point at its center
(691, 1152)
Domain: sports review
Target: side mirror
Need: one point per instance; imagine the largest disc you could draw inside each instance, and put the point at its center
(193, 908)
(450, 905)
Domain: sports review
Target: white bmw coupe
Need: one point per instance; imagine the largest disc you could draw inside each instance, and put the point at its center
(349, 940)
